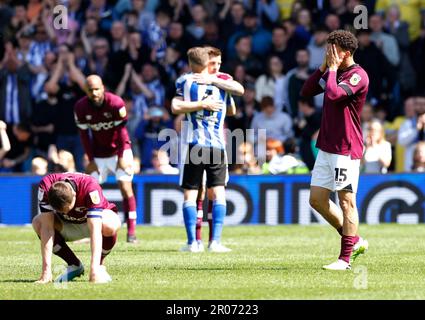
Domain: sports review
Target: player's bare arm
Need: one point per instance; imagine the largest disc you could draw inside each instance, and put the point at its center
(229, 85)
(179, 106)
(95, 226)
(44, 224)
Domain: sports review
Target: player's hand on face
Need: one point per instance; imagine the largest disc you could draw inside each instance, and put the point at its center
(92, 167)
(332, 57)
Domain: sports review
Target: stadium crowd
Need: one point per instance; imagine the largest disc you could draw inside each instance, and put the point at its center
(271, 47)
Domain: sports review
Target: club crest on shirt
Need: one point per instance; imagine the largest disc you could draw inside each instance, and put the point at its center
(94, 196)
(122, 112)
(355, 79)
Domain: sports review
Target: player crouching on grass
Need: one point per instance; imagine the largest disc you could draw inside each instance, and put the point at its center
(72, 207)
(340, 142)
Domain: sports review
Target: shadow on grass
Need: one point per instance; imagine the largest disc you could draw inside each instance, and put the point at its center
(18, 281)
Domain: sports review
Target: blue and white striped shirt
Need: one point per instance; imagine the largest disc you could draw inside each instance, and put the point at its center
(205, 127)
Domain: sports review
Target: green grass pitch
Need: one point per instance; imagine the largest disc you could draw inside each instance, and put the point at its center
(267, 262)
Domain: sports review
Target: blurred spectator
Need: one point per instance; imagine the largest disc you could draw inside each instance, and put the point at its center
(386, 42)
(76, 11)
(377, 156)
(278, 124)
(158, 33)
(411, 131)
(294, 81)
(366, 116)
(339, 8)
(6, 14)
(400, 30)
(4, 140)
(39, 166)
(283, 48)
(197, 28)
(261, 38)
(118, 36)
(419, 157)
(266, 83)
(43, 125)
(177, 37)
(399, 150)
(304, 26)
(287, 162)
(15, 93)
(136, 52)
(161, 164)
(381, 73)
(145, 17)
(273, 148)
(317, 47)
(147, 133)
(268, 13)
(67, 83)
(410, 11)
(20, 151)
(306, 128)
(246, 162)
(99, 59)
(332, 22)
(150, 77)
(89, 33)
(232, 23)
(245, 110)
(18, 21)
(245, 57)
(100, 10)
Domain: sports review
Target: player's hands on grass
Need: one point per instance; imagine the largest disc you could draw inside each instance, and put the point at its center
(92, 167)
(45, 278)
(332, 58)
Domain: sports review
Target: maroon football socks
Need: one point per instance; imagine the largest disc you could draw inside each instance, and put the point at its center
(347, 243)
(107, 245)
(61, 249)
(130, 211)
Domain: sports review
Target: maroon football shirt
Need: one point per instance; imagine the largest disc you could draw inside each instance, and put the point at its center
(109, 136)
(345, 94)
(89, 196)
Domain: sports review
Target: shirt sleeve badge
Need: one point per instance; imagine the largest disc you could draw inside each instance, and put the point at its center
(355, 79)
(94, 196)
(122, 112)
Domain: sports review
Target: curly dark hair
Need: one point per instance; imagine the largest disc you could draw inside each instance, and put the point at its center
(345, 39)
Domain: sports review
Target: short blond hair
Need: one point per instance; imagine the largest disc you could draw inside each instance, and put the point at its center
(198, 56)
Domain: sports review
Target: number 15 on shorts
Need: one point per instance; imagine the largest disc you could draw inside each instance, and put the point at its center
(340, 175)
